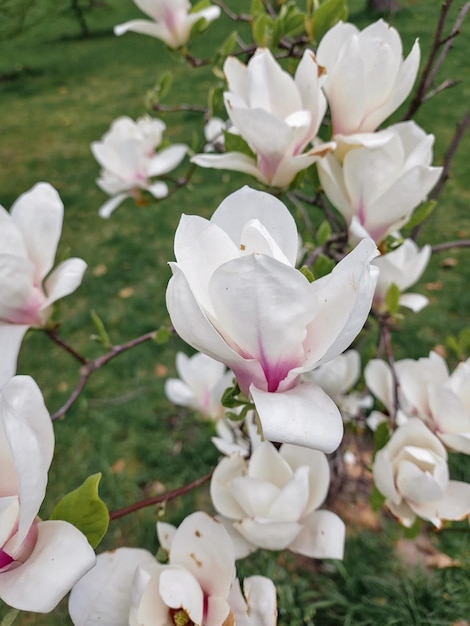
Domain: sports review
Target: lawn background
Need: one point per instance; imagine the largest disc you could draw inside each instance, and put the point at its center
(61, 94)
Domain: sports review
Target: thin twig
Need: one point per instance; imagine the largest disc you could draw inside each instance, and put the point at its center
(237, 17)
(165, 497)
(176, 108)
(448, 245)
(385, 336)
(54, 335)
(92, 365)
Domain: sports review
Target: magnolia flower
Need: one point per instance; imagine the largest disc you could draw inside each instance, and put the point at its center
(380, 382)
(441, 400)
(366, 76)
(203, 382)
(29, 236)
(237, 437)
(39, 561)
(376, 189)
(271, 501)
(402, 267)
(127, 154)
(172, 20)
(278, 116)
(411, 472)
(197, 585)
(236, 295)
(214, 134)
(337, 377)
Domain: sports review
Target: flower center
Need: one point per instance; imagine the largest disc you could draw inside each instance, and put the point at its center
(179, 617)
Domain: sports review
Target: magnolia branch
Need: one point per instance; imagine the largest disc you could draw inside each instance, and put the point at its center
(91, 365)
(163, 498)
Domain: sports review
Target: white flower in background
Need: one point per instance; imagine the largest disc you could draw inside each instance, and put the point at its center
(127, 153)
(29, 236)
(236, 295)
(376, 189)
(214, 134)
(277, 115)
(197, 586)
(402, 267)
(272, 501)
(380, 382)
(441, 400)
(203, 382)
(337, 378)
(172, 20)
(237, 437)
(366, 76)
(39, 561)
(411, 472)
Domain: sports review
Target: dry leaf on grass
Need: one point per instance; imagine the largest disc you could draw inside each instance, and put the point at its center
(422, 552)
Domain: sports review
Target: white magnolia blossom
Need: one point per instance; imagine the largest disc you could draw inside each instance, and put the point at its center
(128, 587)
(272, 501)
(129, 159)
(236, 295)
(411, 472)
(172, 20)
(277, 115)
(201, 384)
(402, 267)
(366, 77)
(29, 236)
(214, 134)
(235, 437)
(39, 561)
(376, 187)
(337, 378)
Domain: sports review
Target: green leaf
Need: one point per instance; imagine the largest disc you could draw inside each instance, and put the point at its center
(381, 436)
(230, 398)
(83, 508)
(291, 20)
(413, 531)
(323, 233)
(392, 299)
(10, 617)
(227, 47)
(199, 6)
(421, 213)
(235, 143)
(262, 29)
(102, 336)
(163, 335)
(257, 7)
(216, 101)
(307, 272)
(322, 266)
(327, 15)
(377, 499)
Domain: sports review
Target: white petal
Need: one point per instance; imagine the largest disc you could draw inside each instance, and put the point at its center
(180, 589)
(65, 279)
(111, 205)
(322, 536)
(11, 336)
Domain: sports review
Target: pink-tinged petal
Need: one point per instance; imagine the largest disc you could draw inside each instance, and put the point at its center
(235, 161)
(453, 505)
(61, 556)
(145, 27)
(166, 160)
(192, 325)
(165, 534)
(289, 167)
(201, 545)
(218, 611)
(319, 471)
(9, 510)
(64, 280)
(38, 213)
(179, 589)
(19, 300)
(305, 416)
(11, 336)
(264, 306)
(108, 208)
(28, 429)
(267, 534)
(267, 464)
(103, 596)
(344, 301)
(245, 205)
(322, 536)
(260, 608)
(222, 496)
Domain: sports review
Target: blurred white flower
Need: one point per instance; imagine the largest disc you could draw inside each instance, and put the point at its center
(172, 20)
(366, 78)
(29, 236)
(201, 385)
(411, 472)
(277, 115)
(402, 267)
(272, 501)
(241, 437)
(377, 187)
(127, 153)
(214, 134)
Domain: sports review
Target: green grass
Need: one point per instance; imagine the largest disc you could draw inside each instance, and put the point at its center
(62, 94)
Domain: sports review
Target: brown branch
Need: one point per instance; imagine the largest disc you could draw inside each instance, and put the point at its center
(165, 497)
(176, 108)
(237, 17)
(54, 335)
(386, 340)
(448, 245)
(92, 365)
